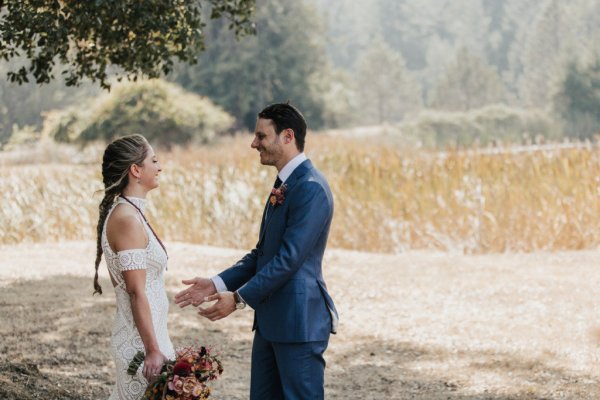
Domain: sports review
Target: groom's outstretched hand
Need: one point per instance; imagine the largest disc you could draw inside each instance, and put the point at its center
(224, 306)
(197, 293)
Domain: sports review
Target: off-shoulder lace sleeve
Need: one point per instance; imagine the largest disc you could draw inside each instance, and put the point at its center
(132, 259)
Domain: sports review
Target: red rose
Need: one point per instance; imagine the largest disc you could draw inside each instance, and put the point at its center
(182, 368)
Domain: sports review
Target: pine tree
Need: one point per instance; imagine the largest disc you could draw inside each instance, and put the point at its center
(469, 83)
(281, 62)
(385, 90)
(578, 101)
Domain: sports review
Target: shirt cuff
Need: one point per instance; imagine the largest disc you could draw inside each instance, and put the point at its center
(219, 284)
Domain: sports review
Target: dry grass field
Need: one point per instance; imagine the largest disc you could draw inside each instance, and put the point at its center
(387, 199)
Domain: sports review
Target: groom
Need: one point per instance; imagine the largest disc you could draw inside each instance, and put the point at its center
(281, 278)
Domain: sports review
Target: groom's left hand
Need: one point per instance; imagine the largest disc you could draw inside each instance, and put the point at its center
(224, 306)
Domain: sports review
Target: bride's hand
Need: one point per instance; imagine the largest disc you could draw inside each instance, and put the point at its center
(153, 364)
(195, 295)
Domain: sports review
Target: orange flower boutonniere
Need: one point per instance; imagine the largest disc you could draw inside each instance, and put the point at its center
(277, 195)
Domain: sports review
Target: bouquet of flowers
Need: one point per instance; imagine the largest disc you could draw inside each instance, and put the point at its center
(184, 378)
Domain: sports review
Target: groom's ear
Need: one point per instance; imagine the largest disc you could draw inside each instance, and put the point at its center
(288, 135)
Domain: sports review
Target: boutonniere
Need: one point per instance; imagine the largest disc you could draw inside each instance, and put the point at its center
(277, 195)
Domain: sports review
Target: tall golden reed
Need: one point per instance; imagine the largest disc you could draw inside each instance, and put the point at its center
(387, 199)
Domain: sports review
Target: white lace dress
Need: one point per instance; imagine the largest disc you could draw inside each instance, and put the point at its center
(125, 340)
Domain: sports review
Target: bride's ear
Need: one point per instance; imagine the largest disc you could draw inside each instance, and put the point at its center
(134, 170)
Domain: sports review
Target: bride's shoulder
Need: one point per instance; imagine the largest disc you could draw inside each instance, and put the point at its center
(123, 214)
(124, 225)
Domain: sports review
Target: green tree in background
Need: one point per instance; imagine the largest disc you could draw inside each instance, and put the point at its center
(385, 90)
(560, 32)
(337, 90)
(469, 83)
(350, 27)
(578, 101)
(87, 38)
(283, 61)
(22, 106)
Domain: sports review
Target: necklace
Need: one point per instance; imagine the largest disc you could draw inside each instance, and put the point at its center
(147, 223)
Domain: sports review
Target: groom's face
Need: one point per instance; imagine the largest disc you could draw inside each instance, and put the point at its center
(267, 142)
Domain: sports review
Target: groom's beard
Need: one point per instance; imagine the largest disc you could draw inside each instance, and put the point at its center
(270, 156)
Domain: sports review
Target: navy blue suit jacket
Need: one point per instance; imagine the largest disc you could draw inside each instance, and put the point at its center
(281, 278)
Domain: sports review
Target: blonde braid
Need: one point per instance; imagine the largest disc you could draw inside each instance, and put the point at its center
(118, 157)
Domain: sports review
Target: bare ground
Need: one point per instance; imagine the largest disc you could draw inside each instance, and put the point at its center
(413, 326)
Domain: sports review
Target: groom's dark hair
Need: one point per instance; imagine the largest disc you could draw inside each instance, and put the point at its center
(286, 116)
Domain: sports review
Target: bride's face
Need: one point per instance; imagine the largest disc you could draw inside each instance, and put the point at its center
(150, 170)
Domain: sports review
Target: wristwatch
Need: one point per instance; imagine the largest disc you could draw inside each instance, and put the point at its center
(239, 303)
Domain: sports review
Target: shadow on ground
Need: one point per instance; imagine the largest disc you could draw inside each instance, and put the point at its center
(56, 339)
(376, 369)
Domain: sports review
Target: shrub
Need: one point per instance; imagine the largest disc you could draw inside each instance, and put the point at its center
(163, 112)
(483, 125)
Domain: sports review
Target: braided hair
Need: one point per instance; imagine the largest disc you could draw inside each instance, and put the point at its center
(118, 157)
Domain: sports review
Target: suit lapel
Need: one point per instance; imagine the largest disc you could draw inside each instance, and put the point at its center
(289, 183)
(264, 216)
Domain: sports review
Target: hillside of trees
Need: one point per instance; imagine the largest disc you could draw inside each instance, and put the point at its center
(399, 62)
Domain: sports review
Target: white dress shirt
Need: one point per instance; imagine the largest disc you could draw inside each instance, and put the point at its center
(285, 173)
(287, 170)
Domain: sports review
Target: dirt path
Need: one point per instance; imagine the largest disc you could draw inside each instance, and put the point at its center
(414, 326)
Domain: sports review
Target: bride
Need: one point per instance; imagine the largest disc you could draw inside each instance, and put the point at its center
(136, 260)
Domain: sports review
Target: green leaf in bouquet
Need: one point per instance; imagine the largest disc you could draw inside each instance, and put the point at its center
(134, 365)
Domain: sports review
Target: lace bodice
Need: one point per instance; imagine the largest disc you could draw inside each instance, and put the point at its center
(155, 259)
(126, 341)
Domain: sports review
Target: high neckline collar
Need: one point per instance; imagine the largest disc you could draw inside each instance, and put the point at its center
(138, 202)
